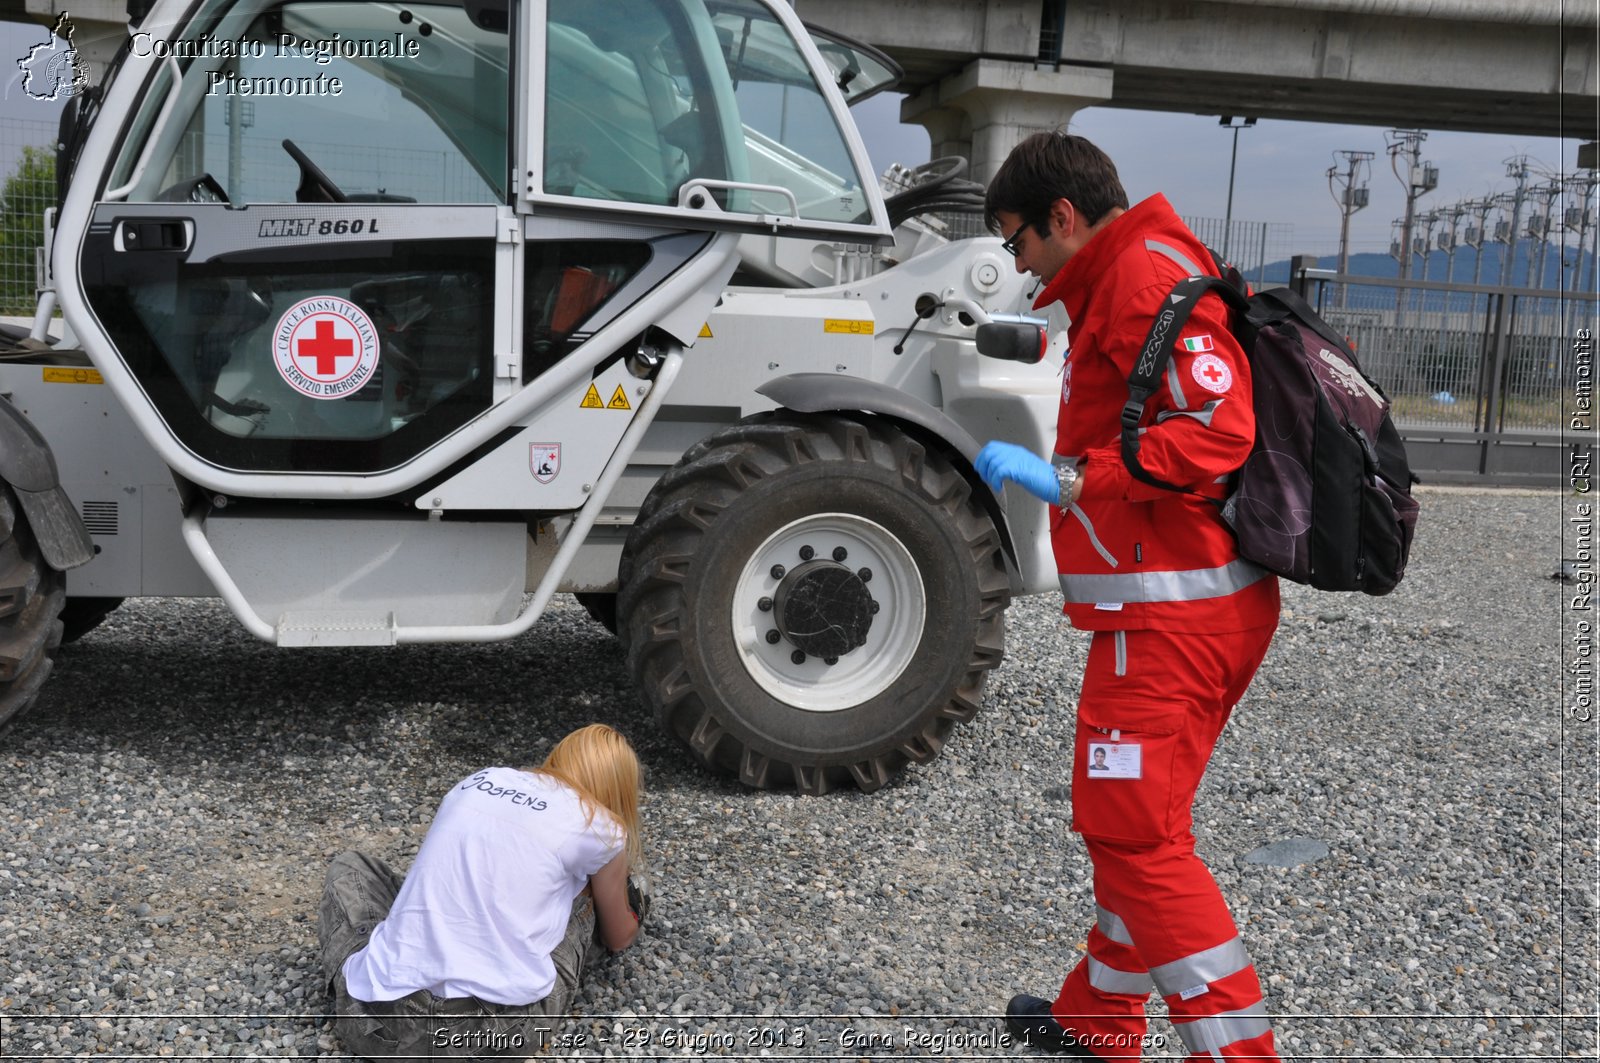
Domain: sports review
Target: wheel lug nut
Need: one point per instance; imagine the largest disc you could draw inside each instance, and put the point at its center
(865, 575)
(773, 637)
(830, 661)
(765, 605)
(798, 656)
(778, 571)
(806, 553)
(840, 553)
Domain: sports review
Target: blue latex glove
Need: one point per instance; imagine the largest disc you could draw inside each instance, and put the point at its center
(998, 462)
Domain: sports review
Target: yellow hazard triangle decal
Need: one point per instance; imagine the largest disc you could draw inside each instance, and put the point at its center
(619, 400)
(705, 332)
(591, 400)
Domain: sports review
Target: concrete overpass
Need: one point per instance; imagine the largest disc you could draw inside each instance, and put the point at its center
(984, 73)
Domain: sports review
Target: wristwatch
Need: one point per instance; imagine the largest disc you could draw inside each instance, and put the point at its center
(1066, 476)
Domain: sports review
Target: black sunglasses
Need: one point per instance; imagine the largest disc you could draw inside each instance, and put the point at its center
(1010, 245)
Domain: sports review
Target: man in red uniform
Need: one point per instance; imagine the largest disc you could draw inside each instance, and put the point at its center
(1180, 622)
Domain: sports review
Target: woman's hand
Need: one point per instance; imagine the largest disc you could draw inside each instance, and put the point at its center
(618, 924)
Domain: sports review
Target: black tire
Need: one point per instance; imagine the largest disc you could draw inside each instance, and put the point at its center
(31, 596)
(700, 598)
(601, 607)
(82, 615)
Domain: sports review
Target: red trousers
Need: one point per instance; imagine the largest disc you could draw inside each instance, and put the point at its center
(1152, 707)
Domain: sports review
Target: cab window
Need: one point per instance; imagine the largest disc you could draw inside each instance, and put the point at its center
(333, 102)
(643, 95)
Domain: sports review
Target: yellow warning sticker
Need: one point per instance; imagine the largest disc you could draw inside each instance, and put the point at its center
(705, 332)
(619, 399)
(848, 328)
(58, 375)
(591, 400)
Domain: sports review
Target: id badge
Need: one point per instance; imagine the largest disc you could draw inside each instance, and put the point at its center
(1114, 760)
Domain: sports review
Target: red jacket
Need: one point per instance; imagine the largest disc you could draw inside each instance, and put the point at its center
(1132, 555)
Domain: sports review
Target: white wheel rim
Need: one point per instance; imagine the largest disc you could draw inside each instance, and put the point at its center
(892, 640)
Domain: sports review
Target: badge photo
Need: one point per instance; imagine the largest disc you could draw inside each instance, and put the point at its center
(1114, 760)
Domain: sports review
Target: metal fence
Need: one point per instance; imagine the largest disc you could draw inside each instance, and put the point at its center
(27, 187)
(1251, 246)
(1482, 378)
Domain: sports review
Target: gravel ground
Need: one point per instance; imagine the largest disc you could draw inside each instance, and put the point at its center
(170, 805)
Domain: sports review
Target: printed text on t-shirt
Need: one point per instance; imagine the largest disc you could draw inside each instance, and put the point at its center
(481, 782)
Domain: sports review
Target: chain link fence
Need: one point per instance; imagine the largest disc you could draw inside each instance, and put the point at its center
(27, 150)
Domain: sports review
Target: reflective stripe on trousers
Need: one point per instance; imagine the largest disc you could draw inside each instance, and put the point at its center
(1160, 915)
(1213, 1033)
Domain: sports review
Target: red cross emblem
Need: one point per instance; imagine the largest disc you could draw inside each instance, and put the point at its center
(1212, 373)
(325, 347)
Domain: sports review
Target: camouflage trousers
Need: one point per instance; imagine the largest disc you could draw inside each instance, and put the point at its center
(356, 897)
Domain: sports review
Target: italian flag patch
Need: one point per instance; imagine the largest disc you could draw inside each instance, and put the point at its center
(1198, 344)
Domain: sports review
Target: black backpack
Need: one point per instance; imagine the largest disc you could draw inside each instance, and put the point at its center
(1325, 495)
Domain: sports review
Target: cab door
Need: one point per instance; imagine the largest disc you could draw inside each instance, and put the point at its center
(298, 230)
(330, 248)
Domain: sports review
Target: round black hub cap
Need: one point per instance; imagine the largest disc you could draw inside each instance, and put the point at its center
(823, 608)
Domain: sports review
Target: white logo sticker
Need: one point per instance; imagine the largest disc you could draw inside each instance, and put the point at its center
(1212, 373)
(544, 461)
(325, 347)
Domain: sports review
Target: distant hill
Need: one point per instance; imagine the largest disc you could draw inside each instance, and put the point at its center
(1380, 265)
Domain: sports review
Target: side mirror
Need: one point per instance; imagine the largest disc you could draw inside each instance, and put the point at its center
(1013, 341)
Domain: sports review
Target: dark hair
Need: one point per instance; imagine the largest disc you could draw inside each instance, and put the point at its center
(1050, 166)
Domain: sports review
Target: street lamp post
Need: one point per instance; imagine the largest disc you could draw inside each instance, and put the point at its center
(1227, 122)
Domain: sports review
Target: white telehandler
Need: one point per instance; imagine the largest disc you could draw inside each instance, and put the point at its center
(387, 321)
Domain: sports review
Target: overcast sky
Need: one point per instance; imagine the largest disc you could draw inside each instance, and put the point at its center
(1281, 170)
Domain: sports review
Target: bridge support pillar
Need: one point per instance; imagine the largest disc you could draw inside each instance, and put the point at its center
(986, 109)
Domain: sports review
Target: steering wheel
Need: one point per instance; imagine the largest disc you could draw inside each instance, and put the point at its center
(315, 186)
(202, 189)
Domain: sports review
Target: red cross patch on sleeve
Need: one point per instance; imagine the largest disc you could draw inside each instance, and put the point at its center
(1212, 373)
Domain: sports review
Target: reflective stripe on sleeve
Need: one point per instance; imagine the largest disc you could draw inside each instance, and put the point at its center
(1204, 414)
(1110, 980)
(1173, 253)
(1202, 968)
(1175, 384)
(1215, 1032)
(1175, 586)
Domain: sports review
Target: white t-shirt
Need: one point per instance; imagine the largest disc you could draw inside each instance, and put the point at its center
(490, 894)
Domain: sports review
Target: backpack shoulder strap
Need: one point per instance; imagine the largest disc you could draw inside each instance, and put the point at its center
(1154, 356)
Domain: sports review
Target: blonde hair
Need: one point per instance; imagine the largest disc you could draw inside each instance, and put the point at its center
(602, 767)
